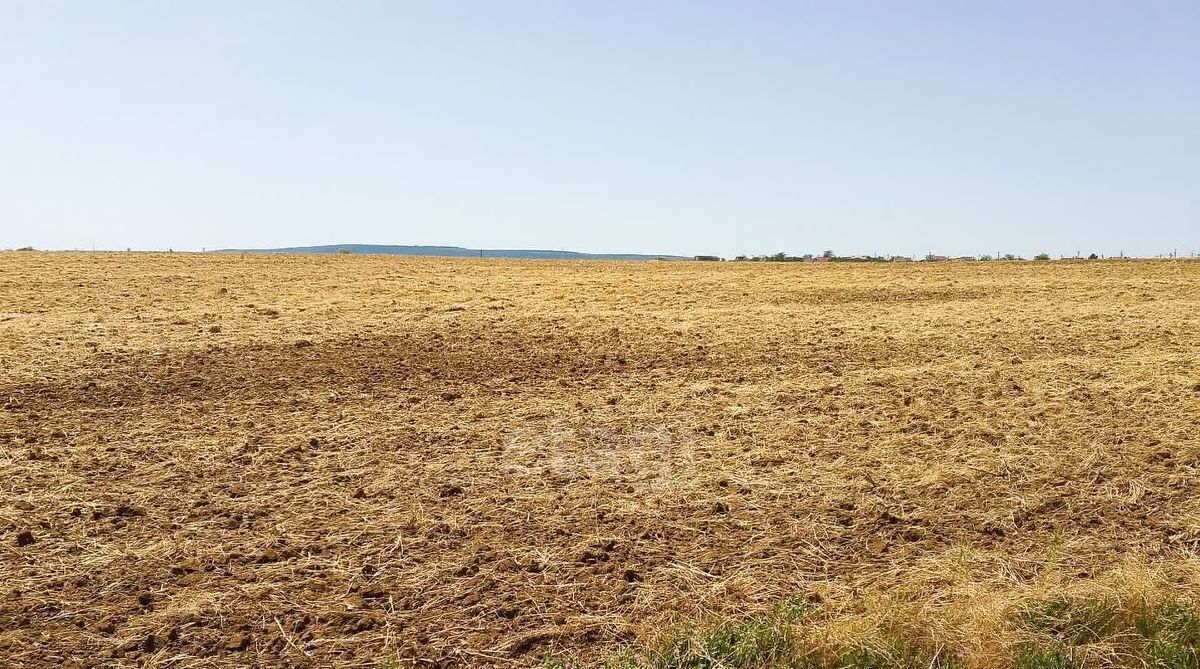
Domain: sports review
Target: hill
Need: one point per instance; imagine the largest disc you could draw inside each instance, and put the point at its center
(456, 252)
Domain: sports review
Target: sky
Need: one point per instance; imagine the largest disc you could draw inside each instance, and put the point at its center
(686, 127)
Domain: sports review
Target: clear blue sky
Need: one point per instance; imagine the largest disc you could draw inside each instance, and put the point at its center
(957, 127)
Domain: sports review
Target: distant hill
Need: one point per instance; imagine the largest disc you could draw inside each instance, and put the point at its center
(456, 252)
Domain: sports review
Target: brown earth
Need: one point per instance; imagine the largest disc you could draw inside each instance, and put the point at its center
(309, 461)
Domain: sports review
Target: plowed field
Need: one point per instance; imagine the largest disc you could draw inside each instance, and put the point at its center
(311, 461)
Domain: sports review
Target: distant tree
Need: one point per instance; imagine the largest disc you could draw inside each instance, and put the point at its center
(1042, 256)
(1009, 256)
(1093, 257)
(827, 254)
(779, 257)
(985, 257)
(26, 248)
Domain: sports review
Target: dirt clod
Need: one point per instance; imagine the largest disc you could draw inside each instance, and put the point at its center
(129, 511)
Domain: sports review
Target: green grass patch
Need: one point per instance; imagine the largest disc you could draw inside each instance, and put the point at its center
(891, 655)
(1073, 622)
(1159, 635)
(763, 641)
(1058, 633)
(1054, 656)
